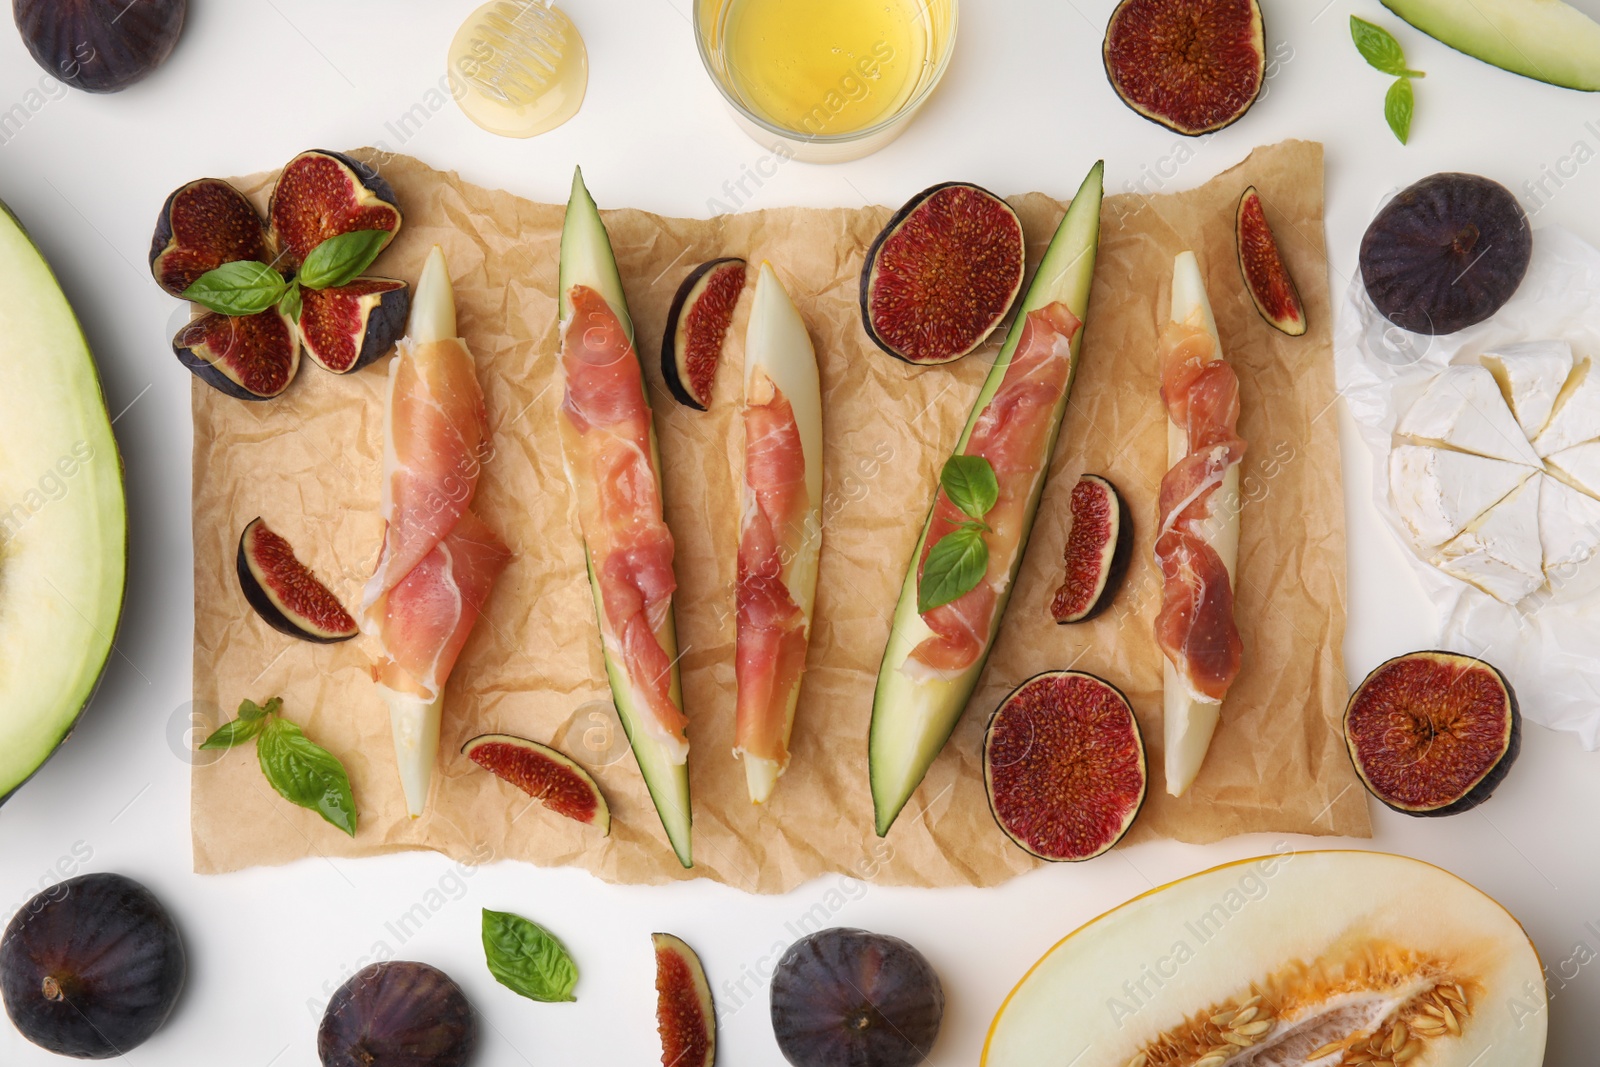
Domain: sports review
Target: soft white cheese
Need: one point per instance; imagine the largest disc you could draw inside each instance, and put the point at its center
(1531, 375)
(1464, 408)
(1569, 527)
(1580, 465)
(1500, 551)
(1577, 414)
(1438, 492)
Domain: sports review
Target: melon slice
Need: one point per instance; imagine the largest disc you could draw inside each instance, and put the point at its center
(1309, 959)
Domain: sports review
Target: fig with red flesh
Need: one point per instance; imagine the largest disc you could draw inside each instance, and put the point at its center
(697, 325)
(1446, 253)
(398, 1014)
(91, 968)
(202, 226)
(1433, 733)
(850, 998)
(250, 358)
(323, 194)
(544, 774)
(285, 593)
(1099, 548)
(943, 274)
(686, 1017)
(346, 328)
(1265, 275)
(100, 46)
(1064, 765)
(1193, 66)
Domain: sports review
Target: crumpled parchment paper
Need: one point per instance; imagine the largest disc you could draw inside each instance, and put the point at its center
(309, 463)
(1545, 645)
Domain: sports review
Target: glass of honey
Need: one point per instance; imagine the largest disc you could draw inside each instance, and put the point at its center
(825, 81)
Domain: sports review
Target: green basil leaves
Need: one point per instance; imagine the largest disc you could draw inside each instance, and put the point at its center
(303, 772)
(249, 288)
(959, 560)
(527, 959)
(1382, 52)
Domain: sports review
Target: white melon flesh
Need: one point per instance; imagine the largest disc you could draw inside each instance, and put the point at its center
(1339, 947)
(1542, 39)
(63, 519)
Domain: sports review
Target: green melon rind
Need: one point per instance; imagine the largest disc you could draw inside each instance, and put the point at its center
(912, 719)
(1545, 40)
(587, 259)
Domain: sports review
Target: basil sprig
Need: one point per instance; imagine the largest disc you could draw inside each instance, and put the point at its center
(959, 560)
(302, 771)
(527, 959)
(1382, 52)
(249, 288)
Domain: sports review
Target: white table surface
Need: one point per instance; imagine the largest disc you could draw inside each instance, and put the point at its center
(1025, 106)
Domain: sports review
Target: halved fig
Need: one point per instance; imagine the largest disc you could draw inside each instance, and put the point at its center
(251, 358)
(1193, 66)
(202, 226)
(1099, 548)
(285, 593)
(697, 324)
(1433, 733)
(1265, 275)
(942, 275)
(686, 1017)
(1064, 765)
(323, 194)
(346, 328)
(548, 776)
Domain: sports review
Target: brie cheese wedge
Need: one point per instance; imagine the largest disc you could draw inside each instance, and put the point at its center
(1438, 492)
(1579, 465)
(1569, 527)
(1577, 414)
(1531, 375)
(1464, 408)
(1500, 551)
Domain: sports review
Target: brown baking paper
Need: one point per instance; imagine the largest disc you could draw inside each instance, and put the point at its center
(309, 464)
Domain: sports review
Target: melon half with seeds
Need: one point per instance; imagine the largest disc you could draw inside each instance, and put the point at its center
(1301, 959)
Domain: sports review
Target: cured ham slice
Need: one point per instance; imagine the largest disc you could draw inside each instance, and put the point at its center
(439, 560)
(1010, 433)
(780, 531)
(1197, 537)
(611, 462)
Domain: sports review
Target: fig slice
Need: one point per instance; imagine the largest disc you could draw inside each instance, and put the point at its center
(697, 325)
(1433, 733)
(943, 274)
(203, 225)
(1064, 766)
(285, 593)
(323, 194)
(548, 776)
(1099, 548)
(346, 328)
(250, 358)
(686, 1017)
(1193, 66)
(1265, 275)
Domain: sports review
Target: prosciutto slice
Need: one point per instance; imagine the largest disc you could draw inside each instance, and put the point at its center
(611, 463)
(1195, 627)
(1011, 433)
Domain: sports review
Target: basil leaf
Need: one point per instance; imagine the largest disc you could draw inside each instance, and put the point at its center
(340, 260)
(953, 569)
(1379, 48)
(306, 774)
(1397, 108)
(527, 959)
(970, 483)
(242, 288)
(235, 733)
(249, 709)
(291, 302)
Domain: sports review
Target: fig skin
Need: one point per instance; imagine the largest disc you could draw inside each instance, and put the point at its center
(1116, 567)
(851, 998)
(203, 225)
(250, 358)
(260, 547)
(91, 968)
(100, 46)
(398, 1014)
(382, 322)
(674, 364)
(1446, 253)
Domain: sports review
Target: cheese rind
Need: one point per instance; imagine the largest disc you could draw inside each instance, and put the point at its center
(1500, 551)
(1531, 375)
(1438, 492)
(1569, 527)
(1464, 408)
